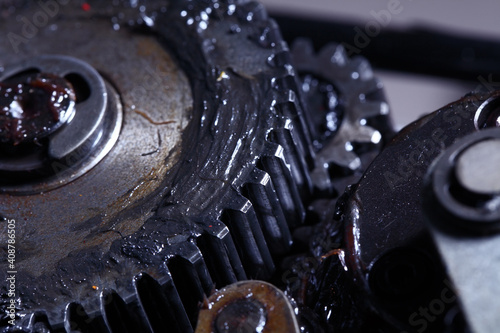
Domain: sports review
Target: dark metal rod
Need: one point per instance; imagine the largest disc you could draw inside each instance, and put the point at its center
(418, 50)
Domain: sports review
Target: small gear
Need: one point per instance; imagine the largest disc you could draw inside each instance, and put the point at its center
(351, 114)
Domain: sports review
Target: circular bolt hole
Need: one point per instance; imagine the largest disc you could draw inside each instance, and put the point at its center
(465, 182)
(488, 114)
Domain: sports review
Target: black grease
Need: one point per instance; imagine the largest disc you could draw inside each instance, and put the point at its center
(33, 109)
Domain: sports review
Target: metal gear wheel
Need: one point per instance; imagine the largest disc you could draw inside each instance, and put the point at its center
(351, 114)
(349, 126)
(201, 188)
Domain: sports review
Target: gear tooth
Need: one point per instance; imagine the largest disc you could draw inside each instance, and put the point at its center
(348, 160)
(78, 320)
(268, 36)
(188, 282)
(361, 66)
(279, 59)
(190, 252)
(321, 179)
(287, 81)
(302, 51)
(336, 153)
(187, 269)
(249, 239)
(260, 191)
(375, 91)
(333, 54)
(336, 161)
(288, 107)
(274, 35)
(371, 89)
(384, 109)
(367, 134)
(255, 9)
(120, 316)
(294, 156)
(220, 254)
(161, 304)
(370, 109)
(39, 322)
(273, 162)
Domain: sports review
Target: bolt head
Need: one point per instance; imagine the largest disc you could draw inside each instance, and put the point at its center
(478, 167)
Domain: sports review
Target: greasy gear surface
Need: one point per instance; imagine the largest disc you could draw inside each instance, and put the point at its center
(349, 111)
(350, 124)
(230, 200)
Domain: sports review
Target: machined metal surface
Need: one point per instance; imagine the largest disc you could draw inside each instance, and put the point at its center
(463, 220)
(482, 157)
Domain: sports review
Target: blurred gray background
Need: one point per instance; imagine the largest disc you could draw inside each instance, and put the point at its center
(409, 95)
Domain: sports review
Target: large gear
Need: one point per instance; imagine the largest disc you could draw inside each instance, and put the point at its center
(226, 192)
(209, 176)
